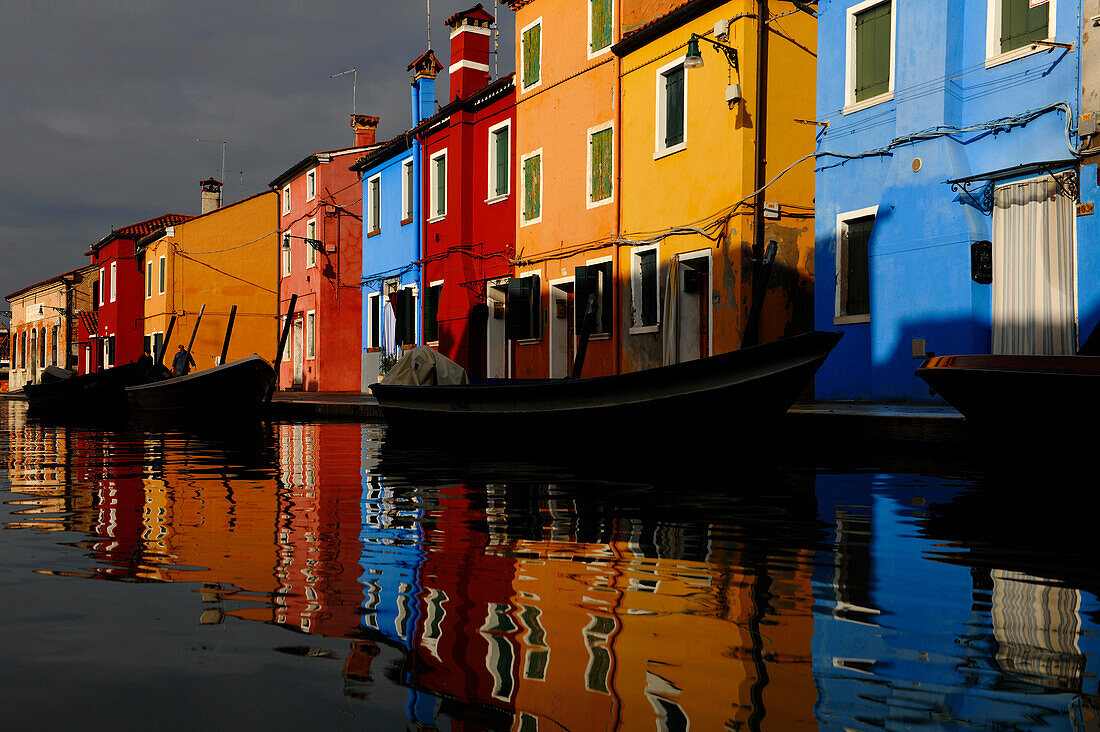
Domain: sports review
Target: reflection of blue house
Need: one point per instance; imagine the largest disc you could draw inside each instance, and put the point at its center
(392, 226)
(940, 112)
(903, 639)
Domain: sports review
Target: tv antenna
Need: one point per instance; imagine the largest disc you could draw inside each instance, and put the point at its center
(354, 75)
(223, 144)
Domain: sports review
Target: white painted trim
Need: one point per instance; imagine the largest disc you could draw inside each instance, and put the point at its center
(162, 283)
(850, 103)
(433, 183)
(149, 280)
(606, 49)
(311, 335)
(497, 284)
(114, 281)
(466, 64)
(993, 55)
(311, 253)
(842, 219)
(550, 331)
(286, 199)
(432, 284)
(491, 195)
(471, 29)
(636, 288)
(707, 254)
(592, 131)
(372, 225)
(523, 186)
(541, 275)
(659, 149)
(311, 176)
(284, 254)
(102, 280)
(408, 184)
(371, 335)
(519, 72)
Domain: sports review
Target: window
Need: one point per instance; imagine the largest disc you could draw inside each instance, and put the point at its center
(158, 345)
(853, 282)
(596, 636)
(870, 57)
(374, 205)
(311, 238)
(439, 185)
(404, 310)
(53, 344)
(531, 212)
(163, 274)
(599, 26)
(286, 199)
(431, 312)
(594, 279)
(109, 351)
(97, 292)
(148, 280)
(114, 280)
(601, 158)
(408, 190)
(531, 43)
(523, 309)
(671, 109)
(311, 334)
(1011, 26)
(374, 320)
(645, 299)
(311, 185)
(286, 254)
(538, 653)
(499, 161)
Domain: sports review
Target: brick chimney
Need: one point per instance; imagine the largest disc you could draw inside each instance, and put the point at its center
(365, 128)
(211, 195)
(471, 32)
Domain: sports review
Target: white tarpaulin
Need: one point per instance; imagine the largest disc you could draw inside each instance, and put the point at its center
(423, 366)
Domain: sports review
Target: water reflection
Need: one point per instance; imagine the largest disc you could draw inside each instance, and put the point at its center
(513, 594)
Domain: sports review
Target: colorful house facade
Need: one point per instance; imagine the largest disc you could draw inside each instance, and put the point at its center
(947, 187)
(321, 252)
(222, 258)
(469, 196)
(702, 130)
(392, 231)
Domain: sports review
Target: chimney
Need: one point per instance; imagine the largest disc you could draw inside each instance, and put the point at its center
(365, 128)
(471, 31)
(424, 69)
(211, 195)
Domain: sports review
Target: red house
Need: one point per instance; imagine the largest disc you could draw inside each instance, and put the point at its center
(321, 261)
(469, 200)
(113, 332)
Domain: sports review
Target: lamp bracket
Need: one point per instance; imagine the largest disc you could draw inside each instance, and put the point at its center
(729, 51)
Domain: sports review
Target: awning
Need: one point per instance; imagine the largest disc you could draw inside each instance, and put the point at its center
(979, 188)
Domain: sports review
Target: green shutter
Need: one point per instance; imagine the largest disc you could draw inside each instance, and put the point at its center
(532, 52)
(441, 186)
(602, 156)
(648, 265)
(607, 301)
(376, 203)
(517, 322)
(405, 316)
(532, 188)
(601, 24)
(585, 282)
(535, 311)
(873, 51)
(674, 107)
(857, 274)
(431, 315)
(1021, 24)
(502, 152)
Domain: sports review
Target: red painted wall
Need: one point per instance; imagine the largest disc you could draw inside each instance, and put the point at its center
(485, 232)
(124, 317)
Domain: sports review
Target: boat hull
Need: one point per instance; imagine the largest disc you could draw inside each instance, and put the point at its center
(232, 389)
(95, 396)
(742, 389)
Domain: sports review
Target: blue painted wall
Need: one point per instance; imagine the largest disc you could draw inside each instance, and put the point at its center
(920, 245)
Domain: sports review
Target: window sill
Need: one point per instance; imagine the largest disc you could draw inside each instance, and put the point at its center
(532, 87)
(851, 319)
(1016, 54)
(497, 199)
(643, 329)
(532, 222)
(436, 219)
(406, 221)
(599, 337)
(529, 342)
(373, 232)
(592, 55)
(432, 344)
(665, 152)
(857, 106)
(603, 202)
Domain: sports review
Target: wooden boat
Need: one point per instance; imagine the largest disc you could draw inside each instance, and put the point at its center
(1008, 392)
(93, 396)
(232, 389)
(718, 396)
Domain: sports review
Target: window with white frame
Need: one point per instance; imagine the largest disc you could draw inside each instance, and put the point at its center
(163, 281)
(531, 55)
(286, 199)
(1013, 25)
(438, 192)
(408, 190)
(311, 237)
(148, 279)
(671, 109)
(644, 290)
(286, 254)
(500, 155)
(114, 280)
(311, 185)
(431, 311)
(853, 280)
(601, 164)
(374, 204)
(374, 320)
(531, 184)
(869, 61)
(311, 334)
(102, 285)
(601, 18)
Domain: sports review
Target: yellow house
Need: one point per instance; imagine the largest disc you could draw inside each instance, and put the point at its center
(227, 256)
(695, 117)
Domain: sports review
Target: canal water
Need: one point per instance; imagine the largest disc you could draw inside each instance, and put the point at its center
(316, 576)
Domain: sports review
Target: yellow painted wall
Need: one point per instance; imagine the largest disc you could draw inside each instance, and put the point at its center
(715, 171)
(224, 258)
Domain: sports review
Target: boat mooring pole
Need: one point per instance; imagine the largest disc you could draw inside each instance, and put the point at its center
(282, 344)
(196, 330)
(586, 330)
(762, 272)
(228, 332)
(167, 339)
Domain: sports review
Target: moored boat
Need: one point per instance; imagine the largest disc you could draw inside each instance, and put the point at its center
(94, 396)
(232, 389)
(719, 395)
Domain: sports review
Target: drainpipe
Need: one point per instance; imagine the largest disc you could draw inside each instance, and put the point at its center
(761, 129)
(616, 267)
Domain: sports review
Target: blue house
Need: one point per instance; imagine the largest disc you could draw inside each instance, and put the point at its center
(392, 232)
(948, 185)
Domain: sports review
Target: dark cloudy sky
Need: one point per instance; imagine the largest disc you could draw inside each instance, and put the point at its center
(101, 102)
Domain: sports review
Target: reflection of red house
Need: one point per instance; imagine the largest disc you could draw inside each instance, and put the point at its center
(112, 333)
(466, 643)
(469, 198)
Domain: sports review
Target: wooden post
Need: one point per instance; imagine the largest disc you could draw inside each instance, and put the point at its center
(228, 332)
(762, 272)
(167, 338)
(282, 345)
(196, 330)
(586, 330)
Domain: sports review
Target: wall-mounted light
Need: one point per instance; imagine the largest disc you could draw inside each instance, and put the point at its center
(694, 59)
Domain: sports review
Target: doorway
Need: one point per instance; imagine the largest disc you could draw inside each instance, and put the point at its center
(496, 346)
(693, 310)
(562, 328)
(299, 355)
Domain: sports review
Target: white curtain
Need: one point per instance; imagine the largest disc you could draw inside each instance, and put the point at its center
(1034, 269)
(670, 315)
(389, 326)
